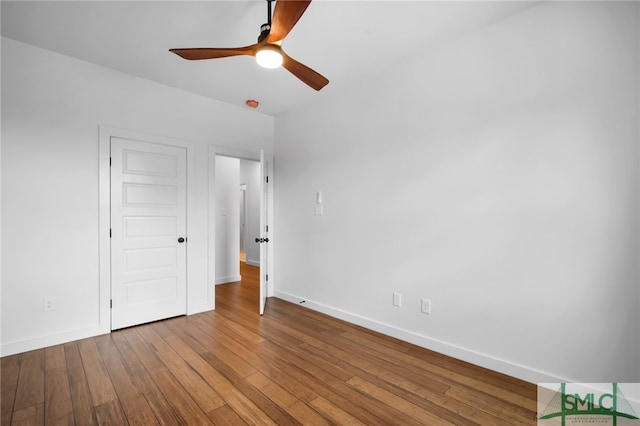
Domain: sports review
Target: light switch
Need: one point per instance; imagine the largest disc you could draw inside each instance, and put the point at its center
(319, 209)
(397, 299)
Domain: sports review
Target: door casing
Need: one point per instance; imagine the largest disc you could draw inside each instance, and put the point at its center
(104, 213)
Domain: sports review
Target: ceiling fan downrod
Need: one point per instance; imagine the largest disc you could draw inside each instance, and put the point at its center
(265, 29)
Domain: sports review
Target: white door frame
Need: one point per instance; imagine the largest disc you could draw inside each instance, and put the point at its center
(104, 213)
(245, 155)
(243, 217)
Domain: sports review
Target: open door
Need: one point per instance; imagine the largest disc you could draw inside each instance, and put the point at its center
(264, 231)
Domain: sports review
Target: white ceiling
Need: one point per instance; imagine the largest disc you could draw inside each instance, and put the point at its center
(343, 40)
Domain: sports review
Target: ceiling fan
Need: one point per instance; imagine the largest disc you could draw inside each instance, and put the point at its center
(268, 50)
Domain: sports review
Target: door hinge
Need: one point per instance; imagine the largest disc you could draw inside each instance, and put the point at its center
(266, 178)
(111, 303)
(266, 277)
(110, 235)
(266, 228)
(109, 161)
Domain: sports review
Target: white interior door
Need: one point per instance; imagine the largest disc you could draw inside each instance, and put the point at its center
(264, 231)
(148, 232)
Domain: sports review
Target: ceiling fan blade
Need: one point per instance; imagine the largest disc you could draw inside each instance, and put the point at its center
(197, 53)
(304, 73)
(285, 15)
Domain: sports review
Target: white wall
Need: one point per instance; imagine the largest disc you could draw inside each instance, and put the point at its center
(52, 107)
(497, 177)
(227, 219)
(250, 175)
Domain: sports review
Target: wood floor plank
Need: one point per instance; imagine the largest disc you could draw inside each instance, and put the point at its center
(237, 362)
(392, 400)
(218, 337)
(225, 416)
(9, 373)
(111, 413)
(491, 404)
(161, 408)
(203, 394)
(490, 382)
(29, 416)
(232, 366)
(475, 383)
(302, 392)
(30, 390)
(215, 339)
(138, 411)
(250, 404)
(238, 331)
(331, 366)
(423, 396)
(54, 358)
(473, 371)
(310, 320)
(340, 350)
(199, 364)
(296, 408)
(120, 377)
(404, 360)
(334, 389)
(135, 406)
(100, 385)
(333, 413)
(83, 411)
(186, 327)
(58, 404)
(186, 409)
(369, 365)
(383, 355)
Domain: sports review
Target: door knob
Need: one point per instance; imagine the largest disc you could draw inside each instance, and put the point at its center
(181, 240)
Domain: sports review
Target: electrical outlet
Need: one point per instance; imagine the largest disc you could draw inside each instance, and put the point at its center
(397, 299)
(426, 306)
(48, 304)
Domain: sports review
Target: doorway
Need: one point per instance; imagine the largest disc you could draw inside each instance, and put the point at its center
(219, 213)
(237, 216)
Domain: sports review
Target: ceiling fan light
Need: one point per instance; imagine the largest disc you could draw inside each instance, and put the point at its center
(269, 57)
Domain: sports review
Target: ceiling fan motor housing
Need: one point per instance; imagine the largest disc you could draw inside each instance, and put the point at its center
(265, 29)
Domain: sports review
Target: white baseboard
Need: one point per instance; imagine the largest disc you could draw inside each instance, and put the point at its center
(20, 346)
(253, 263)
(40, 342)
(230, 279)
(483, 360)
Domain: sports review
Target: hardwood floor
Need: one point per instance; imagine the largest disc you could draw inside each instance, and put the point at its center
(233, 367)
